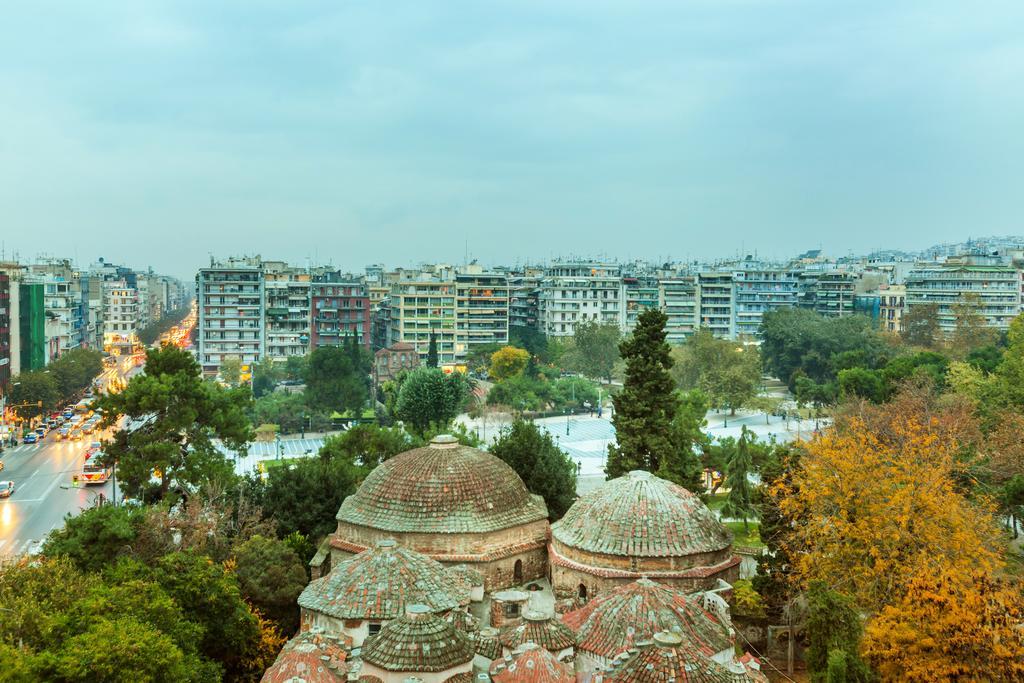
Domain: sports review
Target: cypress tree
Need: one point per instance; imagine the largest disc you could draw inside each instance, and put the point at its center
(432, 351)
(647, 404)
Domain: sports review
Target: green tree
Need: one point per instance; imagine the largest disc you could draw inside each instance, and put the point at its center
(572, 392)
(728, 372)
(305, 495)
(265, 376)
(271, 576)
(773, 580)
(180, 416)
(971, 331)
(432, 351)
(93, 538)
(682, 464)
(646, 406)
(35, 393)
(367, 445)
(295, 368)
(531, 339)
(921, 326)
(597, 346)
(545, 468)
(287, 410)
(74, 370)
(834, 630)
(429, 396)
(508, 361)
(335, 380)
(739, 501)
(861, 383)
(231, 371)
(520, 393)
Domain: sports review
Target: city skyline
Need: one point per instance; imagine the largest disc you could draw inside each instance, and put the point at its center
(525, 131)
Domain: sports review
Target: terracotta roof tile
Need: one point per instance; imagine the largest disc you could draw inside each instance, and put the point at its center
(671, 661)
(378, 583)
(640, 515)
(416, 642)
(310, 657)
(442, 488)
(486, 643)
(616, 621)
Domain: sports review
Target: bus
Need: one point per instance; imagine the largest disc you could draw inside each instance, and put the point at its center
(93, 472)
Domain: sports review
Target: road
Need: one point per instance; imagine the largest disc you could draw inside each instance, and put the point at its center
(40, 473)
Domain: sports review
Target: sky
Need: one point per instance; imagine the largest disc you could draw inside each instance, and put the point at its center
(159, 134)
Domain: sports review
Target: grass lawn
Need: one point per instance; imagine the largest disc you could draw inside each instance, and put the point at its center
(742, 538)
(270, 464)
(716, 501)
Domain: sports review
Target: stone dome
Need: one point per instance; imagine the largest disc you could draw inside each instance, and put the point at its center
(640, 515)
(444, 488)
(540, 629)
(670, 658)
(531, 664)
(418, 642)
(379, 583)
(629, 615)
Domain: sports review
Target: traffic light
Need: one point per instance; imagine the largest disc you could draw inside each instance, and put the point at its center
(74, 480)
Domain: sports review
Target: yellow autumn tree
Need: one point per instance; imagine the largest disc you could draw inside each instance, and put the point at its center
(508, 361)
(873, 504)
(949, 626)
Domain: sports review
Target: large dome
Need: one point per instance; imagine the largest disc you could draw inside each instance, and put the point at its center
(640, 515)
(442, 488)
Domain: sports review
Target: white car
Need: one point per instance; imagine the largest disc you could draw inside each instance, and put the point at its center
(6, 489)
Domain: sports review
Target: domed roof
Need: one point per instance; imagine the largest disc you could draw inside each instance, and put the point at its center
(540, 629)
(379, 582)
(620, 619)
(531, 664)
(417, 641)
(443, 488)
(640, 515)
(669, 658)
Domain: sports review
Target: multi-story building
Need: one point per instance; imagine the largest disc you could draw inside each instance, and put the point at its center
(481, 310)
(759, 290)
(678, 300)
(286, 306)
(576, 292)
(340, 309)
(120, 317)
(891, 303)
(639, 293)
(717, 303)
(6, 327)
(831, 292)
(993, 290)
(524, 300)
(230, 322)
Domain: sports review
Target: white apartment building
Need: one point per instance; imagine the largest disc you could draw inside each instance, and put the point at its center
(286, 305)
(231, 317)
(994, 291)
(677, 298)
(571, 293)
(120, 316)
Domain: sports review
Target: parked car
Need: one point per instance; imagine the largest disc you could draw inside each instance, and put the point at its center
(30, 438)
(6, 489)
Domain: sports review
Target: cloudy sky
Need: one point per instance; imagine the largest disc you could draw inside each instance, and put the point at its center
(400, 132)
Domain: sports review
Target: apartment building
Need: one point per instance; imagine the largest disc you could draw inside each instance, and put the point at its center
(6, 328)
(759, 290)
(993, 290)
(831, 292)
(481, 309)
(524, 300)
(231, 321)
(340, 308)
(717, 302)
(639, 293)
(575, 292)
(120, 316)
(286, 307)
(678, 300)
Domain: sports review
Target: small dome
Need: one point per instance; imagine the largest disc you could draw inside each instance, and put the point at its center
(442, 488)
(531, 664)
(540, 629)
(417, 642)
(672, 661)
(378, 583)
(640, 515)
(629, 615)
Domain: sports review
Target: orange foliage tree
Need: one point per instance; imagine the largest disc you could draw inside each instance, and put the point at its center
(875, 501)
(949, 626)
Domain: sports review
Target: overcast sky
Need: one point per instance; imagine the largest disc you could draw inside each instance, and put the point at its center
(399, 132)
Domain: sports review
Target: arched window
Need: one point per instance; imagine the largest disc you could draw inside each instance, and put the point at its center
(517, 572)
(582, 592)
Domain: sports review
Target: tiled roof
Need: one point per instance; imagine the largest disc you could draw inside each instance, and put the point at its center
(467, 574)
(309, 657)
(486, 643)
(640, 515)
(442, 488)
(699, 572)
(671, 661)
(616, 621)
(488, 556)
(417, 642)
(540, 629)
(378, 583)
(462, 620)
(531, 664)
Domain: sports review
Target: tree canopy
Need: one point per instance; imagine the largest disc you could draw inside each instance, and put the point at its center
(337, 378)
(545, 468)
(429, 396)
(597, 348)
